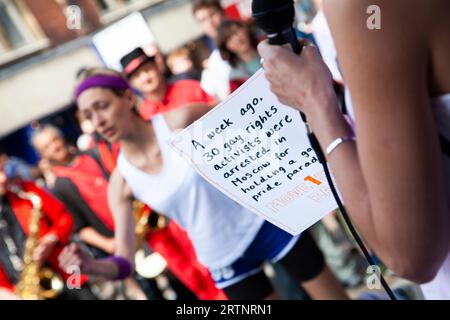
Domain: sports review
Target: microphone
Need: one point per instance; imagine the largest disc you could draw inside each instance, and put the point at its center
(276, 18)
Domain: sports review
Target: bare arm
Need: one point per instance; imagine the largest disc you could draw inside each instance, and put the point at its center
(119, 200)
(182, 117)
(94, 238)
(76, 255)
(120, 204)
(392, 182)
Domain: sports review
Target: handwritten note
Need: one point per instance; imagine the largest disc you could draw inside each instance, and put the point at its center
(255, 150)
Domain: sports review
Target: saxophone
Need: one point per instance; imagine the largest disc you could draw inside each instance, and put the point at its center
(35, 283)
(147, 220)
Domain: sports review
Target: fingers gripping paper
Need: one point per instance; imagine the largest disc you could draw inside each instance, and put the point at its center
(255, 150)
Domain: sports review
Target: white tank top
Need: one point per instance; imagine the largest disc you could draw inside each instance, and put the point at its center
(220, 229)
(439, 288)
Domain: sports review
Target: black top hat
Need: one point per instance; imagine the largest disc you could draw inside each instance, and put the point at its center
(134, 60)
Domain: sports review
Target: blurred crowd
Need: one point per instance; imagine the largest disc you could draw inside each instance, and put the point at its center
(72, 179)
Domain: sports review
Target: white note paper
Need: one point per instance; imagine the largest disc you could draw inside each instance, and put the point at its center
(255, 150)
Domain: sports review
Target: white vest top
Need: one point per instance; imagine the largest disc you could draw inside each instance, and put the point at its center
(439, 288)
(220, 229)
(216, 77)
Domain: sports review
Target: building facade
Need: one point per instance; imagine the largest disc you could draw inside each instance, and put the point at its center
(43, 43)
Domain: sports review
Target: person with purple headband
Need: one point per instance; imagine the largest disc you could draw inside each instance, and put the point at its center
(116, 267)
(232, 242)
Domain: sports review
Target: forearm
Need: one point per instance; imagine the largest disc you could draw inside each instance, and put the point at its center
(102, 268)
(195, 111)
(345, 166)
(95, 239)
(120, 203)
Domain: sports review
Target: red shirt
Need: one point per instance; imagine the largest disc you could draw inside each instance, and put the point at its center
(178, 94)
(4, 280)
(88, 177)
(55, 217)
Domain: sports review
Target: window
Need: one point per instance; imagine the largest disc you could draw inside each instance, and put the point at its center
(111, 5)
(112, 10)
(19, 31)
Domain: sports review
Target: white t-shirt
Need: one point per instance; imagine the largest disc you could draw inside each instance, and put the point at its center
(439, 287)
(216, 77)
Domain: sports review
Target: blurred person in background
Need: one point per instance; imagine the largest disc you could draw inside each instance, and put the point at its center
(152, 50)
(181, 65)
(145, 75)
(55, 228)
(237, 45)
(209, 14)
(17, 168)
(81, 184)
(54, 152)
(215, 81)
(81, 181)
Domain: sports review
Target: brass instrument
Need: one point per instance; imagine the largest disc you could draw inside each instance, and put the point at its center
(143, 224)
(147, 220)
(35, 282)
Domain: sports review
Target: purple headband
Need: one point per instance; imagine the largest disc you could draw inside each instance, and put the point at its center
(102, 80)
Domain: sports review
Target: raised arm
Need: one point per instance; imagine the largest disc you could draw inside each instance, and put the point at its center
(96, 239)
(182, 117)
(120, 203)
(196, 103)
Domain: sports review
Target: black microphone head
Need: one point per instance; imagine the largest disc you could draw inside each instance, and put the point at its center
(273, 16)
